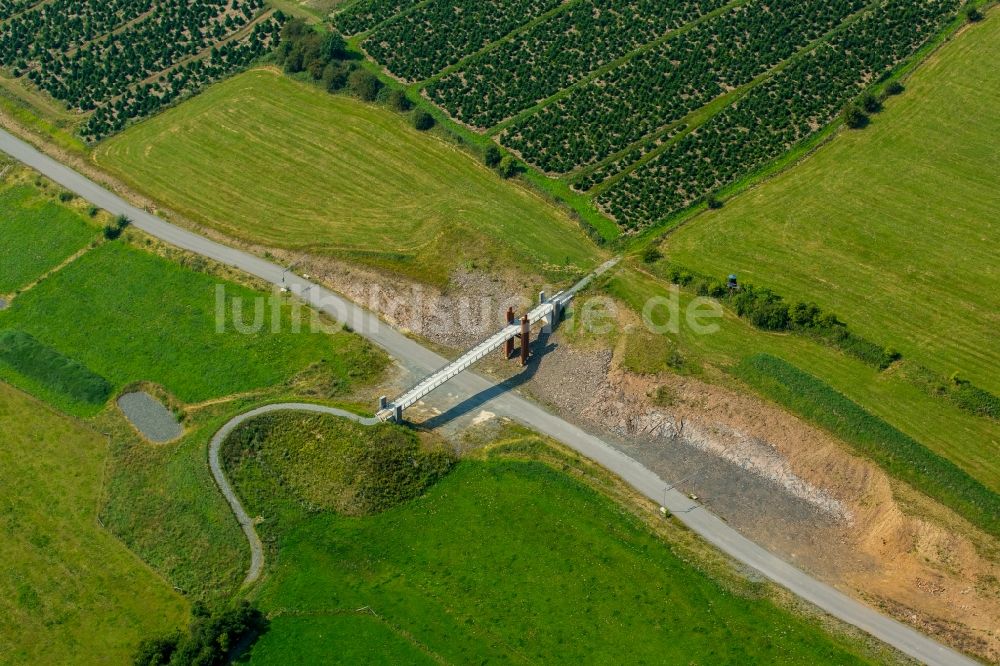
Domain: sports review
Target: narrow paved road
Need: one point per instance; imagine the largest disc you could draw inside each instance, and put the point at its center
(244, 519)
(486, 392)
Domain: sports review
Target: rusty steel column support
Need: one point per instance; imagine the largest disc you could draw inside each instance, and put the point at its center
(525, 339)
(508, 347)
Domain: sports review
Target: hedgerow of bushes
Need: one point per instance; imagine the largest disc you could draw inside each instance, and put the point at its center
(662, 85)
(211, 639)
(790, 107)
(897, 453)
(767, 310)
(36, 360)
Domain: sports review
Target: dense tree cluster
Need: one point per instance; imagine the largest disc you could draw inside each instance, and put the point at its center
(793, 105)
(438, 33)
(662, 85)
(367, 14)
(125, 58)
(325, 58)
(502, 82)
(211, 638)
(181, 80)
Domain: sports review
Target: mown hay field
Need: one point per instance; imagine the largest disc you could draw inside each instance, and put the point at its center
(275, 161)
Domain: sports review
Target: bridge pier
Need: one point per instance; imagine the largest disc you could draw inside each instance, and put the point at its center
(525, 339)
(548, 319)
(508, 346)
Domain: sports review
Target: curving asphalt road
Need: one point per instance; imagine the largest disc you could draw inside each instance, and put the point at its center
(481, 391)
(256, 548)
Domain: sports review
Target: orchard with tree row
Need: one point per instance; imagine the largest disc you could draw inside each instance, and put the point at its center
(498, 84)
(789, 108)
(662, 85)
(439, 33)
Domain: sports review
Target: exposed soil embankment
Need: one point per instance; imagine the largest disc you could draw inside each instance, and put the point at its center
(794, 489)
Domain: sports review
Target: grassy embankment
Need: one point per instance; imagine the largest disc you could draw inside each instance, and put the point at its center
(499, 559)
(894, 228)
(67, 587)
(282, 163)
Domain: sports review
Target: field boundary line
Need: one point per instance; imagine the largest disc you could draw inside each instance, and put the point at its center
(93, 245)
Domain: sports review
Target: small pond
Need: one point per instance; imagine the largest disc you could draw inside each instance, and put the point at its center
(150, 417)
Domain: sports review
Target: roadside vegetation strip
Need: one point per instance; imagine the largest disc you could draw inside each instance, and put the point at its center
(662, 85)
(70, 590)
(753, 132)
(897, 232)
(441, 572)
(36, 234)
(255, 137)
(898, 454)
(493, 86)
(218, 473)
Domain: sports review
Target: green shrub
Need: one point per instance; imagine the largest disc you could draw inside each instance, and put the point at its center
(507, 167)
(854, 117)
(211, 639)
(364, 85)
(398, 101)
(870, 103)
(64, 375)
(894, 88)
(492, 157)
(897, 453)
(714, 202)
(651, 255)
(422, 120)
(65, 196)
(972, 13)
(973, 399)
(335, 75)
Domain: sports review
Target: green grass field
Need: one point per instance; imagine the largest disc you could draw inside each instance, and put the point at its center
(500, 560)
(36, 235)
(894, 227)
(129, 315)
(269, 159)
(69, 591)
